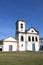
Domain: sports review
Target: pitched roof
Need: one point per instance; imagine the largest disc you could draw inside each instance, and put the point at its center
(19, 20)
(10, 38)
(34, 29)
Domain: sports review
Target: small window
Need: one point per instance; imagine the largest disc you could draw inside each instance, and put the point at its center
(32, 38)
(21, 25)
(29, 39)
(36, 39)
(22, 45)
(41, 42)
(22, 39)
(32, 31)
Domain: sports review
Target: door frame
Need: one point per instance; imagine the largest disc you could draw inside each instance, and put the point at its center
(10, 48)
(33, 46)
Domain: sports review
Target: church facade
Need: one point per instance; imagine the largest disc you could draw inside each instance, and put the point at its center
(26, 40)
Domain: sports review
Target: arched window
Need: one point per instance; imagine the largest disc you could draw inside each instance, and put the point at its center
(29, 39)
(22, 39)
(32, 38)
(36, 39)
(21, 25)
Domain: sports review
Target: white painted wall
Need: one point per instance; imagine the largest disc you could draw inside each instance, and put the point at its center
(29, 46)
(29, 43)
(26, 44)
(21, 42)
(6, 46)
(20, 46)
(37, 46)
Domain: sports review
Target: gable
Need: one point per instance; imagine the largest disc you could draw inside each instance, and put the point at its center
(10, 39)
(32, 30)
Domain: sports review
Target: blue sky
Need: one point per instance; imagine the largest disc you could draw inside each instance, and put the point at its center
(31, 11)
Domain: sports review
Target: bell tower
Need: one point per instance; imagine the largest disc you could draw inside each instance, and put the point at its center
(20, 34)
(20, 26)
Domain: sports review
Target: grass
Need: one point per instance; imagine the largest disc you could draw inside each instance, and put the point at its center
(21, 58)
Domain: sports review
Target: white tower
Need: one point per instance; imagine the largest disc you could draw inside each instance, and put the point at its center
(20, 34)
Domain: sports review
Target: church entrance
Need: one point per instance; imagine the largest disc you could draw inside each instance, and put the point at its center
(10, 47)
(33, 47)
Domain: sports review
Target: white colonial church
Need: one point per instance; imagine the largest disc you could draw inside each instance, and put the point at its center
(25, 40)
